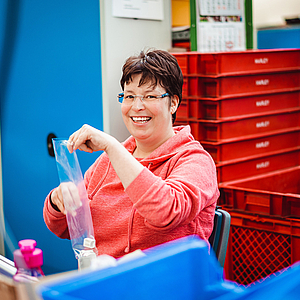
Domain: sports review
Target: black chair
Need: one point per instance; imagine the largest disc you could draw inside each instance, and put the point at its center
(220, 234)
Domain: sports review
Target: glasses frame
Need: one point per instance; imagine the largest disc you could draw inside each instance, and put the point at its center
(121, 98)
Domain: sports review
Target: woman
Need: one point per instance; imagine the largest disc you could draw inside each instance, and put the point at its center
(160, 184)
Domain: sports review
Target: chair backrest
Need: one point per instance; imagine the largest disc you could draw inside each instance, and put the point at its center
(220, 234)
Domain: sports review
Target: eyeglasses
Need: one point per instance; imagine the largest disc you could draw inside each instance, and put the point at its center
(129, 99)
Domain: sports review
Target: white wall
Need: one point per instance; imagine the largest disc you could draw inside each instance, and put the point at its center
(273, 13)
(121, 38)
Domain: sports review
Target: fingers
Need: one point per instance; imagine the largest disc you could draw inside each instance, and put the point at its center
(81, 139)
(70, 145)
(70, 197)
(88, 139)
(86, 147)
(57, 199)
(66, 198)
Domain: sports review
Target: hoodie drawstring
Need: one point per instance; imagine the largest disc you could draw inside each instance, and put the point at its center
(130, 223)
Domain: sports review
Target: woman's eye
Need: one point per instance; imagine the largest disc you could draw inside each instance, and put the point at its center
(129, 97)
(150, 97)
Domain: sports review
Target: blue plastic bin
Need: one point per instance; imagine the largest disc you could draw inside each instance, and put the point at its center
(181, 269)
(284, 286)
(276, 38)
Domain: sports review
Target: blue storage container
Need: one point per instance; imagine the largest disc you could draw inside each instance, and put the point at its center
(279, 37)
(180, 269)
(284, 286)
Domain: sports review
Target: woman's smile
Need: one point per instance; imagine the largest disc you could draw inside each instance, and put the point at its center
(140, 120)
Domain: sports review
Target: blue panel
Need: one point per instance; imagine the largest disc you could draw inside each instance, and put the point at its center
(50, 83)
(276, 38)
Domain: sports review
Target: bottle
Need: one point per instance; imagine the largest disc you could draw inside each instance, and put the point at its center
(28, 261)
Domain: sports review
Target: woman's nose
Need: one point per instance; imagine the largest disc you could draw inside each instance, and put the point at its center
(138, 104)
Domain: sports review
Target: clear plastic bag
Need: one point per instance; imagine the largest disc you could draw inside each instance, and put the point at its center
(76, 203)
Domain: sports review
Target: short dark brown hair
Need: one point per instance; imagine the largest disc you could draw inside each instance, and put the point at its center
(156, 66)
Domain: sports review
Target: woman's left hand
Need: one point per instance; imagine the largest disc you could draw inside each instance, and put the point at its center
(89, 139)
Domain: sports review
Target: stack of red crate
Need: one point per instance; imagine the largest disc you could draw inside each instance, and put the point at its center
(244, 108)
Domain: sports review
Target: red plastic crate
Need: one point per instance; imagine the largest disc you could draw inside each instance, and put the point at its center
(276, 193)
(240, 147)
(260, 246)
(247, 85)
(257, 165)
(237, 62)
(182, 62)
(180, 123)
(218, 108)
(242, 126)
(182, 110)
(181, 44)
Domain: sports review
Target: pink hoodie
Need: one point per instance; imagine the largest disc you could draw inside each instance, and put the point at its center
(174, 196)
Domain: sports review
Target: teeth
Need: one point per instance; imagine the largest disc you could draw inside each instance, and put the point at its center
(141, 119)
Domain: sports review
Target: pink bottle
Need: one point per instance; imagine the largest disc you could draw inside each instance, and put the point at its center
(28, 261)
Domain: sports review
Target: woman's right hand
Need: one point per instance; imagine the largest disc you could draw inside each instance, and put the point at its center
(66, 193)
(90, 139)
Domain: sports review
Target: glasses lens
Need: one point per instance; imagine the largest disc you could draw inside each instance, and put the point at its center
(128, 100)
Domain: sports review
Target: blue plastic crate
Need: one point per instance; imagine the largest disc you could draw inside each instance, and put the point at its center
(181, 269)
(280, 286)
(276, 38)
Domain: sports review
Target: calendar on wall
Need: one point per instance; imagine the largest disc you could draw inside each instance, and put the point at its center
(220, 7)
(220, 25)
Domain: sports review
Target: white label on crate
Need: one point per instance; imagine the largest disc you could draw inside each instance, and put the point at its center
(262, 124)
(263, 103)
(262, 82)
(264, 144)
(264, 164)
(261, 60)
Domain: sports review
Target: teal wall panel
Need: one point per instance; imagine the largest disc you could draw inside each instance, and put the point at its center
(50, 82)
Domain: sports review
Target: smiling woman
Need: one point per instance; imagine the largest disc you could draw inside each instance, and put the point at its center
(158, 185)
(150, 121)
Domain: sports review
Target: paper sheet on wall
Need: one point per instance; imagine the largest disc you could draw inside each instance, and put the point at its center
(138, 9)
